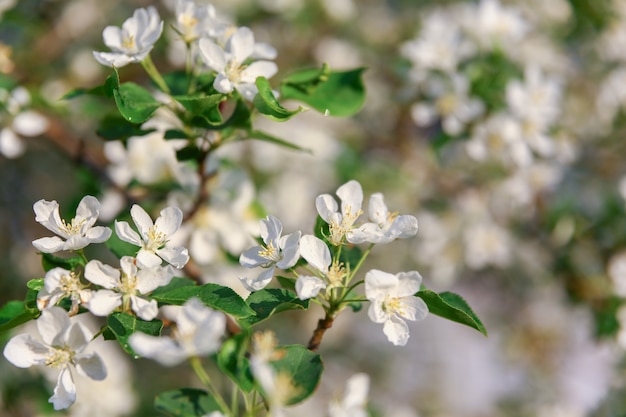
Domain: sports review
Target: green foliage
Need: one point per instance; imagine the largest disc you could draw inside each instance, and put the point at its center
(203, 106)
(185, 402)
(452, 307)
(232, 360)
(267, 104)
(122, 325)
(215, 296)
(267, 302)
(114, 127)
(14, 313)
(50, 261)
(336, 93)
(266, 137)
(305, 369)
(135, 103)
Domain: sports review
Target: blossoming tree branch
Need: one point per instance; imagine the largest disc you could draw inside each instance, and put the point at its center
(149, 301)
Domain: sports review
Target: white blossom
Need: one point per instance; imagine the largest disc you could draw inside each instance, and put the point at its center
(341, 222)
(354, 401)
(198, 332)
(60, 346)
(78, 233)
(196, 20)
(59, 283)
(385, 226)
(393, 300)
(153, 237)
(277, 251)
(230, 63)
(133, 41)
(125, 286)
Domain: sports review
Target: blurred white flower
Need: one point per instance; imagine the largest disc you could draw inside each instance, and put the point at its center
(78, 233)
(486, 243)
(230, 63)
(617, 272)
(439, 46)
(449, 100)
(61, 345)
(277, 251)
(20, 122)
(354, 401)
(492, 25)
(393, 300)
(133, 41)
(193, 20)
(125, 287)
(198, 332)
(153, 237)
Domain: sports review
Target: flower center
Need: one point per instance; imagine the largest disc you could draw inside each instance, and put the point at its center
(74, 227)
(59, 357)
(339, 230)
(447, 104)
(393, 305)
(270, 252)
(128, 284)
(128, 42)
(336, 274)
(156, 239)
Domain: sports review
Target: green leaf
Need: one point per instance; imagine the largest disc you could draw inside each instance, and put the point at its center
(185, 402)
(305, 369)
(203, 106)
(121, 248)
(232, 360)
(453, 307)
(213, 295)
(14, 313)
(266, 137)
(266, 103)
(336, 93)
(49, 261)
(35, 284)
(134, 102)
(286, 282)
(270, 301)
(123, 325)
(189, 153)
(114, 127)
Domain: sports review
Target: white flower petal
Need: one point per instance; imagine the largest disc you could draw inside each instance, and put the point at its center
(98, 234)
(103, 275)
(77, 337)
(351, 195)
(241, 44)
(49, 244)
(92, 367)
(169, 220)
(24, 351)
(146, 310)
(315, 252)
(379, 283)
(177, 255)
(250, 258)
(64, 392)
(376, 313)
(408, 284)
(308, 287)
(397, 331)
(11, 145)
(271, 229)
(212, 55)
(125, 233)
(290, 246)
(52, 324)
(378, 212)
(260, 282)
(103, 302)
(147, 259)
(256, 69)
(161, 349)
(223, 84)
(326, 207)
(142, 220)
(151, 278)
(413, 308)
(112, 59)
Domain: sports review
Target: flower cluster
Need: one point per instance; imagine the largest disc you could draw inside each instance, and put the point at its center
(392, 296)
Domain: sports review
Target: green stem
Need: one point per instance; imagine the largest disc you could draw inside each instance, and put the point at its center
(197, 367)
(154, 73)
(81, 253)
(358, 265)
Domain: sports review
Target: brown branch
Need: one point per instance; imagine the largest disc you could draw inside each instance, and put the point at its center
(322, 325)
